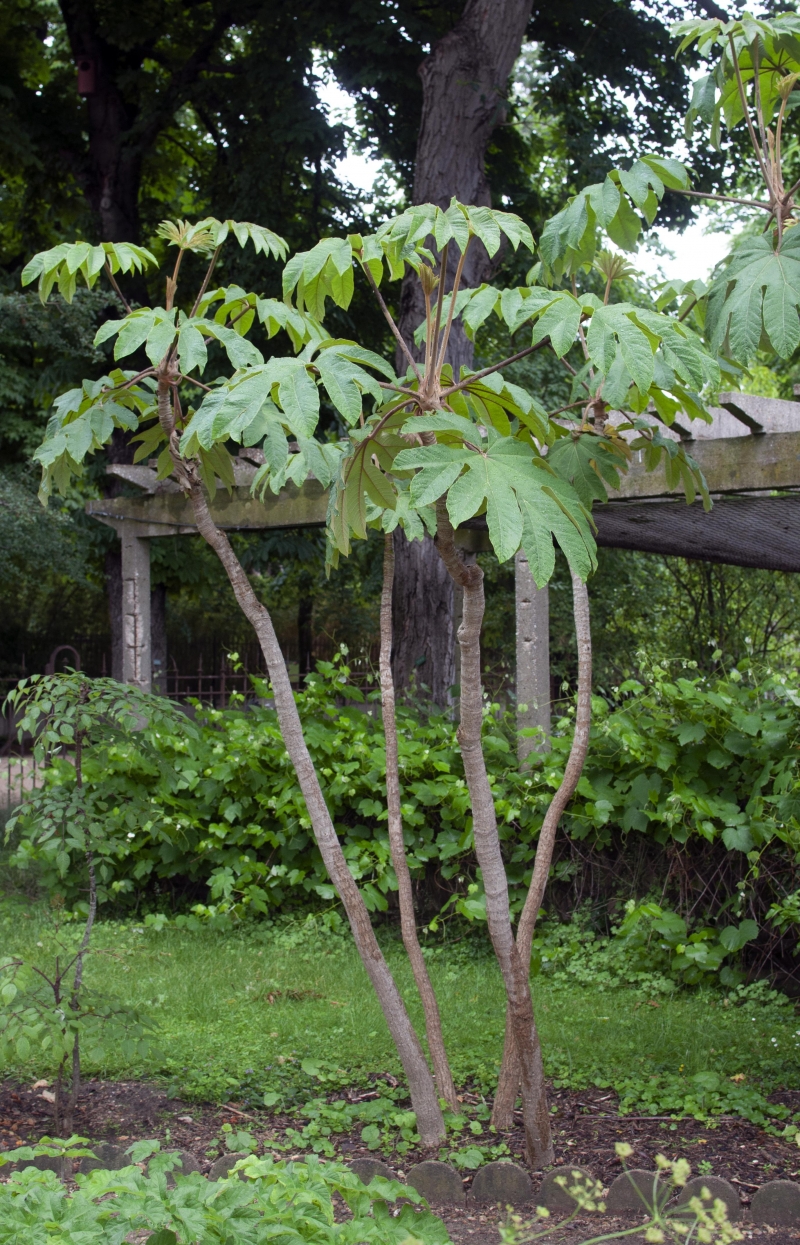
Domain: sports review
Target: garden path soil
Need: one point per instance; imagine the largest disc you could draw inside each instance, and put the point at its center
(585, 1129)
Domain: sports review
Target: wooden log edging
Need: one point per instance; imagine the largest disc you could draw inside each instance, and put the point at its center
(505, 1183)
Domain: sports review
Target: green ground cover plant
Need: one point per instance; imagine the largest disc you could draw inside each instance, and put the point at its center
(291, 1200)
(274, 1014)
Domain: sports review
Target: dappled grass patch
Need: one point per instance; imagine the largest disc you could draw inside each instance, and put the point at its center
(283, 1008)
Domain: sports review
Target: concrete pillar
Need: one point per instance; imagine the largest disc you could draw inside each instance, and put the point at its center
(136, 647)
(533, 654)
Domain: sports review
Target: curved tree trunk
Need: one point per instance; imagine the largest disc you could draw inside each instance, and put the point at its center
(510, 1071)
(464, 84)
(515, 973)
(430, 1123)
(408, 925)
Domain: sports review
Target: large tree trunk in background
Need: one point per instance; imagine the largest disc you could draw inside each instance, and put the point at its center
(110, 183)
(464, 82)
(422, 619)
(111, 178)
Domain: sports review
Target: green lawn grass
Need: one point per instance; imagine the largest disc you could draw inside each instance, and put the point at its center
(210, 993)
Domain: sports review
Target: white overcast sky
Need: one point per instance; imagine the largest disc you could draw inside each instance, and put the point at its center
(696, 251)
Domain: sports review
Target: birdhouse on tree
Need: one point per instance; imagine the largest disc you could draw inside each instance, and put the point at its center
(86, 76)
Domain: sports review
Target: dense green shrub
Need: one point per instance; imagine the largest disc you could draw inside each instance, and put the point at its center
(683, 766)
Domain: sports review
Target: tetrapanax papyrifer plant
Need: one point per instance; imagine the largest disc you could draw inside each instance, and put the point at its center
(426, 448)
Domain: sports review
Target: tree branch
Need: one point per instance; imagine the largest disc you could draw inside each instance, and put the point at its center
(701, 194)
(390, 321)
(487, 371)
(117, 290)
(206, 280)
(746, 109)
(456, 283)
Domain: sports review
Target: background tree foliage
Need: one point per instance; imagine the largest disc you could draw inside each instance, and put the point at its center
(185, 144)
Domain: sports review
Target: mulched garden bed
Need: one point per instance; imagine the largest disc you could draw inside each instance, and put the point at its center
(585, 1129)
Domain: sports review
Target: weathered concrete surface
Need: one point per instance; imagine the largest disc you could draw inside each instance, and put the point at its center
(556, 1196)
(137, 666)
(438, 1183)
(533, 656)
(717, 1188)
(636, 1190)
(503, 1183)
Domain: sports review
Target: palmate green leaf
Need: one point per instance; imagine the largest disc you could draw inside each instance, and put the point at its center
(241, 352)
(776, 45)
(569, 238)
(244, 408)
(413, 521)
(125, 257)
(613, 329)
(520, 493)
(231, 412)
(151, 327)
(297, 394)
(159, 339)
(559, 322)
(300, 326)
(326, 271)
(345, 381)
(192, 349)
(83, 420)
(631, 345)
(443, 465)
(63, 263)
(755, 299)
(588, 463)
(409, 238)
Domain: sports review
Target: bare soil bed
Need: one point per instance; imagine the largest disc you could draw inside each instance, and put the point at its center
(585, 1129)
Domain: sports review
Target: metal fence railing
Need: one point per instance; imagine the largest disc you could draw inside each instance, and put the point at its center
(19, 776)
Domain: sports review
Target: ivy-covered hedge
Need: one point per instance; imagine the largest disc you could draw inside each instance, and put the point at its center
(212, 813)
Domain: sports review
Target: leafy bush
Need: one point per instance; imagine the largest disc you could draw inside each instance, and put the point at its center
(276, 1198)
(688, 764)
(651, 948)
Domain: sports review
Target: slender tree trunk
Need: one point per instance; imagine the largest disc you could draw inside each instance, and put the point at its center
(510, 1072)
(487, 849)
(75, 1001)
(433, 1024)
(464, 85)
(430, 1123)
